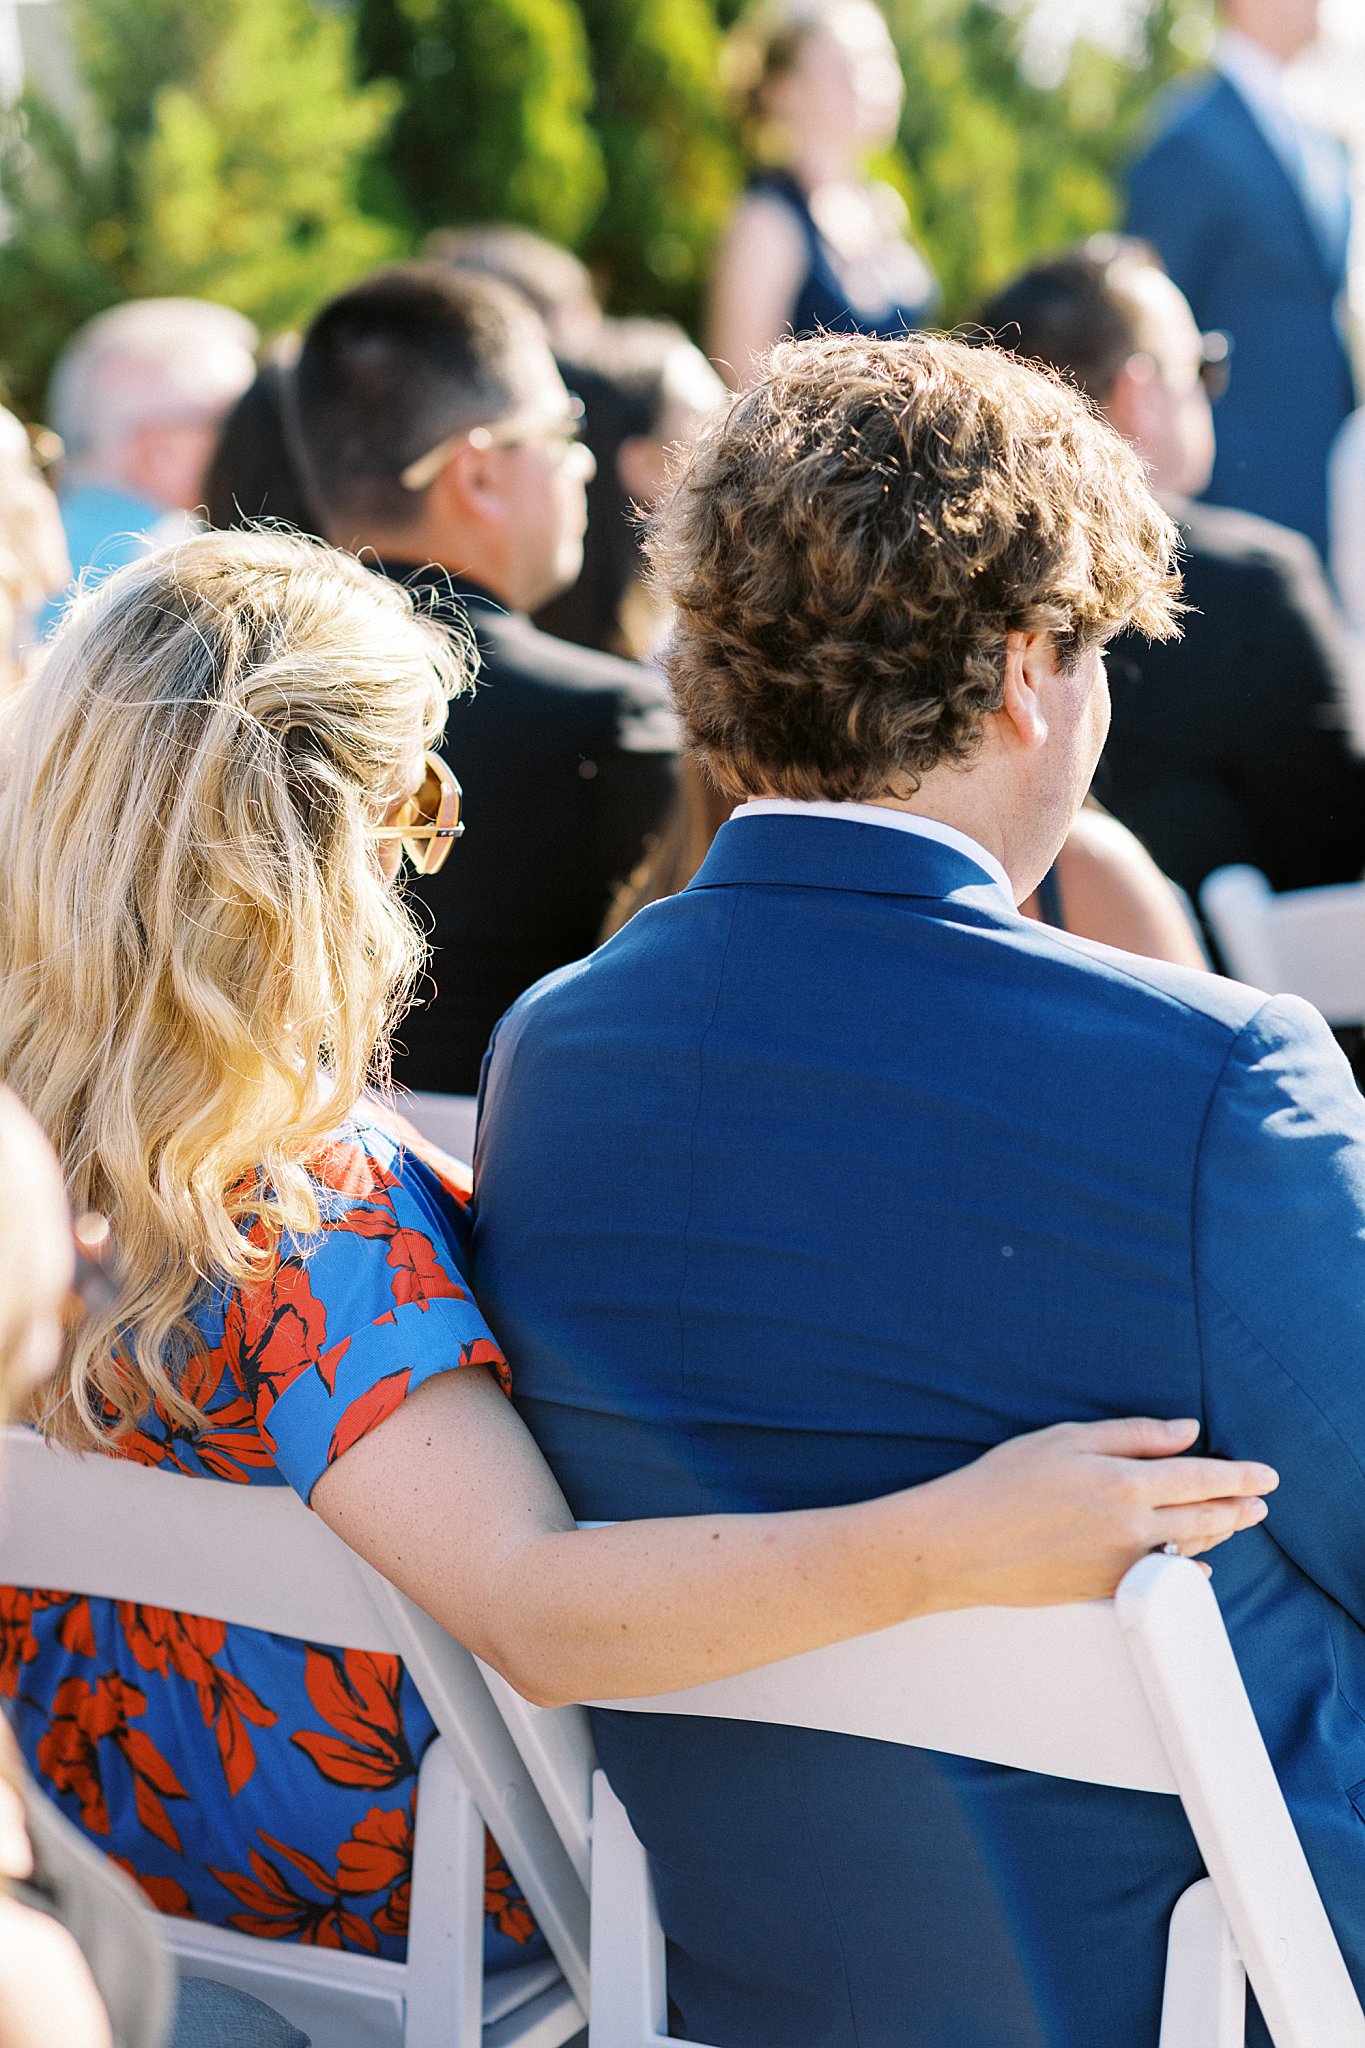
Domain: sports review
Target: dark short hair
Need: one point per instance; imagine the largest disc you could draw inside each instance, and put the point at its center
(252, 475)
(1076, 312)
(388, 369)
(848, 546)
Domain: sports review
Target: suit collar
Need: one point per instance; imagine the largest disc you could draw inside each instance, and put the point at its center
(838, 853)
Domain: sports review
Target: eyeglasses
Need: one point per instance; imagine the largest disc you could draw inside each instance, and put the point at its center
(427, 822)
(563, 426)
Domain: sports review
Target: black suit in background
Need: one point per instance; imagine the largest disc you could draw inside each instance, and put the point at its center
(567, 760)
(1231, 744)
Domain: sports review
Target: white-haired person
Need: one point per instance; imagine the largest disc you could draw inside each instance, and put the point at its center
(33, 558)
(137, 397)
(204, 791)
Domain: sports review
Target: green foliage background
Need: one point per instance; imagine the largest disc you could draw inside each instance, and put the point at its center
(264, 152)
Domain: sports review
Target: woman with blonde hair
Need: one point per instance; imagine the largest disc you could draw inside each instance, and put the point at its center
(203, 795)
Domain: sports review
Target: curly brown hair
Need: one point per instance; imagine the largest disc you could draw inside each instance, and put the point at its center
(847, 547)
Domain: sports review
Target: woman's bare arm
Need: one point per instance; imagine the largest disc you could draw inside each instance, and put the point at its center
(451, 1500)
(754, 282)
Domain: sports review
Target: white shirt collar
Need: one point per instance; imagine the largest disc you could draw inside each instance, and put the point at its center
(877, 814)
(1259, 78)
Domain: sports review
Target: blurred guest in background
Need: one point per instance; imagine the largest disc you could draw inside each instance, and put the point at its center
(440, 437)
(1347, 482)
(34, 565)
(814, 243)
(1250, 211)
(1230, 743)
(80, 1962)
(138, 396)
(252, 474)
(551, 277)
(646, 389)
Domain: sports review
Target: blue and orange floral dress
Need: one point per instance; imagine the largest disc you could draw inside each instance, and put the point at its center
(247, 1779)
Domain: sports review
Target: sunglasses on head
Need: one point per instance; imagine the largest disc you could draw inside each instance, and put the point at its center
(427, 822)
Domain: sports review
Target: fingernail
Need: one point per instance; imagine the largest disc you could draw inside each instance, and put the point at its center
(1259, 1511)
(1183, 1426)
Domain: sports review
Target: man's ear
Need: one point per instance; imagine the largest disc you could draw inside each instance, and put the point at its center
(1029, 661)
(469, 490)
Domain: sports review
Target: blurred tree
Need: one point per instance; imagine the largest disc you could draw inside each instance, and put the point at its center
(216, 154)
(1001, 165)
(493, 116)
(671, 157)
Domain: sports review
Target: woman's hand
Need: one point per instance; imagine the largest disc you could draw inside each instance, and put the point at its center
(1062, 1514)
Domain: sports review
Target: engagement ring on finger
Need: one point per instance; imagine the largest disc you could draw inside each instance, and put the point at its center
(1170, 1550)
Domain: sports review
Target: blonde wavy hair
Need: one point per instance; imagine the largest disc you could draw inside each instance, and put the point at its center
(200, 959)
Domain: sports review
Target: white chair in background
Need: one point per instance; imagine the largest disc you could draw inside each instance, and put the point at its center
(1141, 1692)
(1306, 942)
(447, 1120)
(255, 1555)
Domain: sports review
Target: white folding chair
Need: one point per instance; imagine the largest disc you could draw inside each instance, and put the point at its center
(447, 1120)
(256, 1556)
(1305, 942)
(1141, 1692)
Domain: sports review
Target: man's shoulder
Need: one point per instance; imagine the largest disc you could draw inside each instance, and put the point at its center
(1192, 114)
(1085, 982)
(519, 646)
(579, 681)
(1242, 541)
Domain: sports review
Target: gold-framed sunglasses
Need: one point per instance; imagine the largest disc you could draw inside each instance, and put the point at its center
(427, 822)
(564, 424)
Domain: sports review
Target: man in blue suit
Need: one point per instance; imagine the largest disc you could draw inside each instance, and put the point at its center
(832, 1171)
(1250, 212)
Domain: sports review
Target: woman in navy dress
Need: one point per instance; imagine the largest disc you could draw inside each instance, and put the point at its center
(815, 243)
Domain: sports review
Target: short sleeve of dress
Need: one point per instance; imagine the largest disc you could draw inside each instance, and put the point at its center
(361, 1314)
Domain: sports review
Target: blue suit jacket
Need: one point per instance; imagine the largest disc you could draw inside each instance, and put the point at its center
(820, 1179)
(1233, 231)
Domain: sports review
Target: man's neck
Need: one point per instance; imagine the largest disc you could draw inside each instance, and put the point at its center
(946, 805)
(1250, 65)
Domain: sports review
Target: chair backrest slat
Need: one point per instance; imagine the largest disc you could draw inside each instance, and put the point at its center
(253, 1555)
(1043, 1689)
(1303, 942)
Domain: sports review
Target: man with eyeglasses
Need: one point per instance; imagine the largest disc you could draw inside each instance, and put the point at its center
(1229, 744)
(439, 439)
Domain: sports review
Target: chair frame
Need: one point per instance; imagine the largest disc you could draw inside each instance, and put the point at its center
(1305, 942)
(256, 1556)
(1142, 1691)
